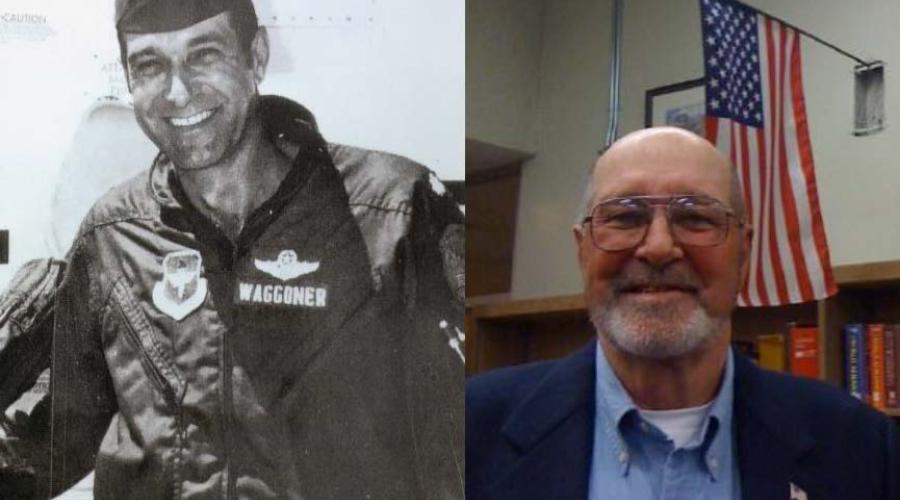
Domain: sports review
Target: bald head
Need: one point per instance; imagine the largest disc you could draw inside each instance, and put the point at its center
(666, 151)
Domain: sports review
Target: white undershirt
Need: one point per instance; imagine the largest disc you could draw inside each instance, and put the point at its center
(683, 425)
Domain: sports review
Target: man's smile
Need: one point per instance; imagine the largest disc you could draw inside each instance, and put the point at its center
(191, 120)
(658, 288)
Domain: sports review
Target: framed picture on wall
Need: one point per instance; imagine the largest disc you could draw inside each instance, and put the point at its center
(679, 104)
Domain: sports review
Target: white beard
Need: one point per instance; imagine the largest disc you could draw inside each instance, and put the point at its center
(656, 332)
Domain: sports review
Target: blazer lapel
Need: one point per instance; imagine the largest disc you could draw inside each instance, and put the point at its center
(553, 429)
(770, 440)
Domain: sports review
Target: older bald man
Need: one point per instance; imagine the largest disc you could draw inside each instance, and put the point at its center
(660, 407)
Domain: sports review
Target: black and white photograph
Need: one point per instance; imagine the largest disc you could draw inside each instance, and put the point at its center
(232, 249)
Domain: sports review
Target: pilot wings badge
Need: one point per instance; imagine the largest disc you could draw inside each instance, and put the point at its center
(286, 266)
(181, 289)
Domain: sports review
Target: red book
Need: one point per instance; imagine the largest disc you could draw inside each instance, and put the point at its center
(891, 357)
(803, 351)
(876, 366)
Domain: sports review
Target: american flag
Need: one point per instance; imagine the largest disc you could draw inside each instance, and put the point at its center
(756, 115)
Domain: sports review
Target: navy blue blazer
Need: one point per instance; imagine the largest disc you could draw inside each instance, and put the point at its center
(530, 432)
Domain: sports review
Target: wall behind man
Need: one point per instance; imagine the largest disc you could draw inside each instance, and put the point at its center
(503, 56)
(382, 74)
(859, 177)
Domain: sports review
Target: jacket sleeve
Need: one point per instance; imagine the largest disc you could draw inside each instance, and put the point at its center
(26, 335)
(26, 326)
(435, 298)
(435, 275)
(57, 444)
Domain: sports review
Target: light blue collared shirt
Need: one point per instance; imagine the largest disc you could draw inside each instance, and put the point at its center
(634, 460)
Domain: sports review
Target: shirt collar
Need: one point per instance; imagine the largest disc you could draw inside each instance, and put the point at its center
(615, 405)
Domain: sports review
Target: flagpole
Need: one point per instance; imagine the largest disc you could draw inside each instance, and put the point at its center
(809, 35)
(615, 76)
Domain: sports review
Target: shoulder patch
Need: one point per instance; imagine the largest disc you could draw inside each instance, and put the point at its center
(181, 289)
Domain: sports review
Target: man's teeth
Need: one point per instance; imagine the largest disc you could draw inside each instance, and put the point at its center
(191, 120)
(653, 289)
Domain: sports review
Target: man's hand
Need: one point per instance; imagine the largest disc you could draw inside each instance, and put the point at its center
(17, 479)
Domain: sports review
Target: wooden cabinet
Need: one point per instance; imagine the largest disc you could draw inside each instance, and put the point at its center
(519, 331)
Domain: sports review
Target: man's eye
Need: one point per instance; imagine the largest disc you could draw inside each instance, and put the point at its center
(205, 56)
(146, 69)
(624, 219)
(696, 220)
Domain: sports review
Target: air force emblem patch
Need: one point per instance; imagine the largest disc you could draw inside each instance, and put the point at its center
(181, 289)
(286, 266)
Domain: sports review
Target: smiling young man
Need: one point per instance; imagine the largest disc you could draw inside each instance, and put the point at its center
(262, 314)
(660, 407)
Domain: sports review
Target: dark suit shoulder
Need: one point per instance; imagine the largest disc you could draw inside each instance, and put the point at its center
(490, 400)
(496, 393)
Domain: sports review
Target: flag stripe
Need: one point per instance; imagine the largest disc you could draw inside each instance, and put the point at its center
(712, 129)
(791, 253)
(745, 183)
(760, 157)
(806, 189)
(762, 284)
(771, 243)
(790, 210)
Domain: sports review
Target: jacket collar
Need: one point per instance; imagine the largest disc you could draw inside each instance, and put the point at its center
(555, 422)
(566, 389)
(772, 440)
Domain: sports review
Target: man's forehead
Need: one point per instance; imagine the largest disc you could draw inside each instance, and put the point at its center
(216, 28)
(158, 16)
(665, 159)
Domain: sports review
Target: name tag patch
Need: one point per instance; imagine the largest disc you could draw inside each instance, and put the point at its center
(285, 295)
(279, 277)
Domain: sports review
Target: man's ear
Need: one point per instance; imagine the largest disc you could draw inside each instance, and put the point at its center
(578, 233)
(259, 54)
(746, 245)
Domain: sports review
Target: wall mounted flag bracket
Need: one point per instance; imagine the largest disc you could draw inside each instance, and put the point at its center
(809, 35)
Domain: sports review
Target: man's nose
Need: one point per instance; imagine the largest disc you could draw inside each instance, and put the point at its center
(178, 93)
(659, 247)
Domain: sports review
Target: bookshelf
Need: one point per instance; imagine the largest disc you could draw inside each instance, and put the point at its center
(505, 332)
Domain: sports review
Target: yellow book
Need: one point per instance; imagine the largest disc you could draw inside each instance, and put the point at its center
(771, 352)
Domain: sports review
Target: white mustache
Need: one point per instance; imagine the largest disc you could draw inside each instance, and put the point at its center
(637, 275)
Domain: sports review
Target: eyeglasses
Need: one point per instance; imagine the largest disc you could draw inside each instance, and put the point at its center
(620, 224)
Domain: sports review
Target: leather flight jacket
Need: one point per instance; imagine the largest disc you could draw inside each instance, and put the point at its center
(318, 356)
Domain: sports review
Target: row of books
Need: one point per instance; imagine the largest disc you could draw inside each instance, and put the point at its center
(796, 353)
(871, 361)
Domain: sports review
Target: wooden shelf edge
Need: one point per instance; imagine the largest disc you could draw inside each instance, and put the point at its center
(867, 274)
(529, 307)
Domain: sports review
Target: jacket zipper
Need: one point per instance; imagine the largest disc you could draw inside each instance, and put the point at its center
(228, 392)
(156, 375)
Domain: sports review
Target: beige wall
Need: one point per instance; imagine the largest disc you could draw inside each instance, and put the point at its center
(574, 89)
(859, 177)
(503, 54)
